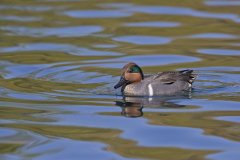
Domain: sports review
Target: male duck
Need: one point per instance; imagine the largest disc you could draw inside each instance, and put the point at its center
(134, 83)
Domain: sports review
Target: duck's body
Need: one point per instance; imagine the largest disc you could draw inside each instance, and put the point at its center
(134, 83)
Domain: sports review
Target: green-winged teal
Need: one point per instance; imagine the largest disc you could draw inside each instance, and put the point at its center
(134, 83)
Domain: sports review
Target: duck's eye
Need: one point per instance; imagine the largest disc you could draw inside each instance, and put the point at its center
(134, 69)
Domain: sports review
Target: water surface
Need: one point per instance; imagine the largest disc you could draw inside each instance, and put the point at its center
(59, 61)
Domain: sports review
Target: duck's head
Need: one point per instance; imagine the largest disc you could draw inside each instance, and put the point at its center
(130, 73)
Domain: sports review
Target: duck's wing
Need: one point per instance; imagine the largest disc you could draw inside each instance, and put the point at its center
(171, 77)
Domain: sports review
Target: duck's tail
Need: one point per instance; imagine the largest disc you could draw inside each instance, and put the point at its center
(189, 76)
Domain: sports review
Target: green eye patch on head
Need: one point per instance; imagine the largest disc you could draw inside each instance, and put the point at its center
(135, 69)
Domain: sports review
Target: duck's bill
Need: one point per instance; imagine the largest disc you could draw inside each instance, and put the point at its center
(121, 82)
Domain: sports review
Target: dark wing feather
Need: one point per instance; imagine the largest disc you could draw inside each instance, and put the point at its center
(171, 77)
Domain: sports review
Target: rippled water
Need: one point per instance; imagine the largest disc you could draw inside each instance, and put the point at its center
(59, 61)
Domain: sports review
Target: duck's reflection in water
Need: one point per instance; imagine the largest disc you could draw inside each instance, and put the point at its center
(130, 109)
(133, 106)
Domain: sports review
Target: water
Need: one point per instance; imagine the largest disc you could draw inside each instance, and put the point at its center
(59, 61)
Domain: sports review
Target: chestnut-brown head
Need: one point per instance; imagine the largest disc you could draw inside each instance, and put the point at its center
(131, 73)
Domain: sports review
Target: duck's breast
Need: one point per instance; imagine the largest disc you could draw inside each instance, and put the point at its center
(136, 89)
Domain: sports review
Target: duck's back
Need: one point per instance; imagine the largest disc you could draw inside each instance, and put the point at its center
(163, 83)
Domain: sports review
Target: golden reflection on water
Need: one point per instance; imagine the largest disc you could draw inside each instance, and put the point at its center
(60, 59)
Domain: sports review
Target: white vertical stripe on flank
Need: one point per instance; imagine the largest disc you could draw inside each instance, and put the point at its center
(189, 85)
(150, 90)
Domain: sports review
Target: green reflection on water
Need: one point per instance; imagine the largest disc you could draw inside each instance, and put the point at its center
(182, 44)
(123, 147)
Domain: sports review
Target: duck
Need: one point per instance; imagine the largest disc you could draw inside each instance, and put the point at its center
(134, 83)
